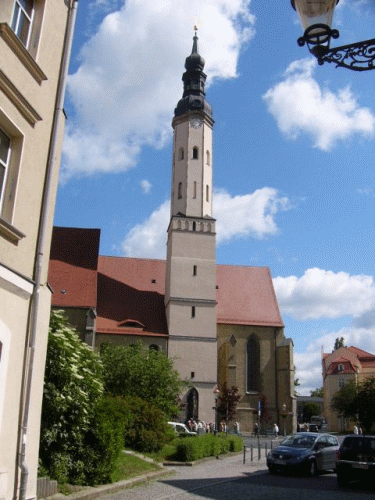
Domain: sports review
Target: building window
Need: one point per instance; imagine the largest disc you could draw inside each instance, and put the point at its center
(195, 189)
(195, 153)
(181, 154)
(207, 192)
(340, 367)
(194, 226)
(341, 382)
(253, 365)
(22, 20)
(208, 159)
(193, 312)
(179, 195)
(153, 347)
(4, 162)
(194, 270)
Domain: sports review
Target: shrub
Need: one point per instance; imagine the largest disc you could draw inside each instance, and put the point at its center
(146, 429)
(194, 448)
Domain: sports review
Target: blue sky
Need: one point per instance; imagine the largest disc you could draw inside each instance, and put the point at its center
(294, 150)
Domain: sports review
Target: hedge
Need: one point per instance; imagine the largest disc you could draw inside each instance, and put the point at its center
(194, 448)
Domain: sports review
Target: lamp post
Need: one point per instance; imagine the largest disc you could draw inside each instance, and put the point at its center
(216, 395)
(284, 414)
(316, 19)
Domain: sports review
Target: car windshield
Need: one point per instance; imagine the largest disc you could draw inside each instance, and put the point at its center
(299, 441)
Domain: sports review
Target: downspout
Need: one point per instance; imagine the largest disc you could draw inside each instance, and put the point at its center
(41, 242)
(276, 384)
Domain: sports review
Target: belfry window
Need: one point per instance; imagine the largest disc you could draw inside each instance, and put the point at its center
(195, 153)
(195, 189)
(179, 194)
(207, 192)
(193, 312)
(22, 20)
(253, 365)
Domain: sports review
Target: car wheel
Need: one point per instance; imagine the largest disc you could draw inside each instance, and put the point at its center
(272, 469)
(312, 468)
(342, 480)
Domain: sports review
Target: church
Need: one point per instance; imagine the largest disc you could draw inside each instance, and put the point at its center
(219, 323)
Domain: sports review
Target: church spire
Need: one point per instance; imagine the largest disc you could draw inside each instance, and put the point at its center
(193, 98)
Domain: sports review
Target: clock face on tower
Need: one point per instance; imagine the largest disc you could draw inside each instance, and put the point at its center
(196, 122)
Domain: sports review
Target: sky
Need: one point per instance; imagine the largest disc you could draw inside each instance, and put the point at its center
(293, 158)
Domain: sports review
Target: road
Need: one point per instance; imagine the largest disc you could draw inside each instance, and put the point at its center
(229, 479)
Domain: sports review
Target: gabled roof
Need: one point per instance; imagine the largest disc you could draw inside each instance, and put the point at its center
(73, 266)
(245, 296)
(362, 355)
(130, 289)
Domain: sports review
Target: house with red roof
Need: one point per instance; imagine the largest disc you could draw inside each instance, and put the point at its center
(220, 324)
(339, 367)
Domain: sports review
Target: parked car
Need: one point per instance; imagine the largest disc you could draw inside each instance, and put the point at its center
(181, 429)
(313, 427)
(355, 459)
(304, 452)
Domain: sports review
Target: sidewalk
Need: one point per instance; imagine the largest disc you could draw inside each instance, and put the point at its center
(226, 466)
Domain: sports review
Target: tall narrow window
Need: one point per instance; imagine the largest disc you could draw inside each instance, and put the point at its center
(181, 154)
(195, 189)
(22, 19)
(253, 364)
(179, 194)
(195, 153)
(4, 162)
(194, 226)
(193, 312)
(207, 192)
(194, 270)
(208, 160)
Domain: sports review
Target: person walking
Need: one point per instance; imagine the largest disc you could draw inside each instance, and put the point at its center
(276, 430)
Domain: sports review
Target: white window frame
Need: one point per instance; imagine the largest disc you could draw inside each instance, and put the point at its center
(5, 165)
(19, 12)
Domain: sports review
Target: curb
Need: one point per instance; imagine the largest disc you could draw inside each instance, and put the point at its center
(91, 492)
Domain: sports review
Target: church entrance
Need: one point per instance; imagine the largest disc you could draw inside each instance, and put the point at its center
(192, 404)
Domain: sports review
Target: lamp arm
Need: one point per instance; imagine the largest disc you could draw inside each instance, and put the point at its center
(359, 56)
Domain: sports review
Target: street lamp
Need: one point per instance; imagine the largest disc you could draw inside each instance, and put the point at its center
(316, 19)
(216, 395)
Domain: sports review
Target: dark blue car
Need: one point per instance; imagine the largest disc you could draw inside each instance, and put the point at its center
(305, 452)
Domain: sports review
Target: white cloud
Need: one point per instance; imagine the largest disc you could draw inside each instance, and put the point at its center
(129, 78)
(146, 186)
(300, 105)
(238, 217)
(325, 294)
(308, 363)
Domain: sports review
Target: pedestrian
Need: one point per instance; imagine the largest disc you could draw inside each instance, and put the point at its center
(355, 430)
(256, 429)
(276, 430)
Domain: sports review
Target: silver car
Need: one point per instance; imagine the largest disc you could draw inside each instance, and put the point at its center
(304, 452)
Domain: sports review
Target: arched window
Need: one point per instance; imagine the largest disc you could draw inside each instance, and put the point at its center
(208, 159)
(192, 404)
(253, 365)
(181, 154)
(195, 153)
(179, 195)
(194, 226)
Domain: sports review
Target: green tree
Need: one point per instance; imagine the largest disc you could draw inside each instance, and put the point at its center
(365, 403)
(309, 410)
(227, 402)
(296, 384)
(72, 387)
(339, 342)
(344, 400)
(317, 393)
(138, 371)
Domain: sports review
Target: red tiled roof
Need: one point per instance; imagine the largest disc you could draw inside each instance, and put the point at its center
(246, 296)
(126, 291)
(73, 266)
(334, 366)
(133, 289)
(362, 355)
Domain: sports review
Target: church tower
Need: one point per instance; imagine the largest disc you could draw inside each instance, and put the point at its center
(190, 292)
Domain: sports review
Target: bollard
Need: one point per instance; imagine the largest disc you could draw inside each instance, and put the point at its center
(244, 454)
(259, 450)
(252, 454)
(265, 449)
